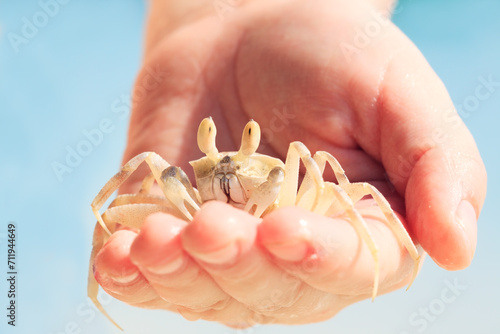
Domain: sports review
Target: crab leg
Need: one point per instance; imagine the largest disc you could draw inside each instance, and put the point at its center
(133, 214)
(128, 210)
(358, 190)
(265, 195)
(296, 152)
(92, 285)
(323, 198)
(305, 197)
(178, 190)
(174, 185)
(147, 183)
(355, 192)
(335, 197)
(131, 210)
(154, 161)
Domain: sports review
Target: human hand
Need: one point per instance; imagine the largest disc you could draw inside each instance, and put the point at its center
(291, 66)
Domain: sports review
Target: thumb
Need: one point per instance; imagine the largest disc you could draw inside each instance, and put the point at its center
(432, 159)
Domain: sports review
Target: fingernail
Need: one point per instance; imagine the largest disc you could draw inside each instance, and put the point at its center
(291, 242)
(466, 219)
(124, 279)
(169, 267)
(289, 252)
(226, 255)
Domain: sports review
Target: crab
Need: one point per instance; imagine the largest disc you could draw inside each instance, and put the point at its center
(248, 180)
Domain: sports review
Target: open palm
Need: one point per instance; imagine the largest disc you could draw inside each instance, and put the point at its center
(300, 70)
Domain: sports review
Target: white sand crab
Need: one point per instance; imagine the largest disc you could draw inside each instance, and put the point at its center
(254, 182)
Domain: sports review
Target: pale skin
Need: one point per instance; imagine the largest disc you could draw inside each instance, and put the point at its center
(381, 111)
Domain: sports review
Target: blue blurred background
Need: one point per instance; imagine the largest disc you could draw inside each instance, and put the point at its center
(79, 65)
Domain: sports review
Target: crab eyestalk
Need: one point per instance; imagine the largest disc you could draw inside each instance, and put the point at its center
(206, 137)
(250, 139)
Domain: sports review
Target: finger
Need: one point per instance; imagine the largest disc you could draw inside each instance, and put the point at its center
(157, 251)
(119, 277)
(446, 178)
(426, 149)
(222, 239)
(328, 254)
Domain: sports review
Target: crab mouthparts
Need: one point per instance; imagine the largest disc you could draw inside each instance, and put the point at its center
(227, 188)
(224, 185)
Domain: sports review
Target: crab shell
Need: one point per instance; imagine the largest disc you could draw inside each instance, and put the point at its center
(250, 172)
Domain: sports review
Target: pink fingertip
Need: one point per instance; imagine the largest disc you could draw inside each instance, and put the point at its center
(286, 233)
(113, 261)
(158, 243)
(219, 233)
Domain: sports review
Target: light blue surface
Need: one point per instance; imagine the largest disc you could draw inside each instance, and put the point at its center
(75, 70)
